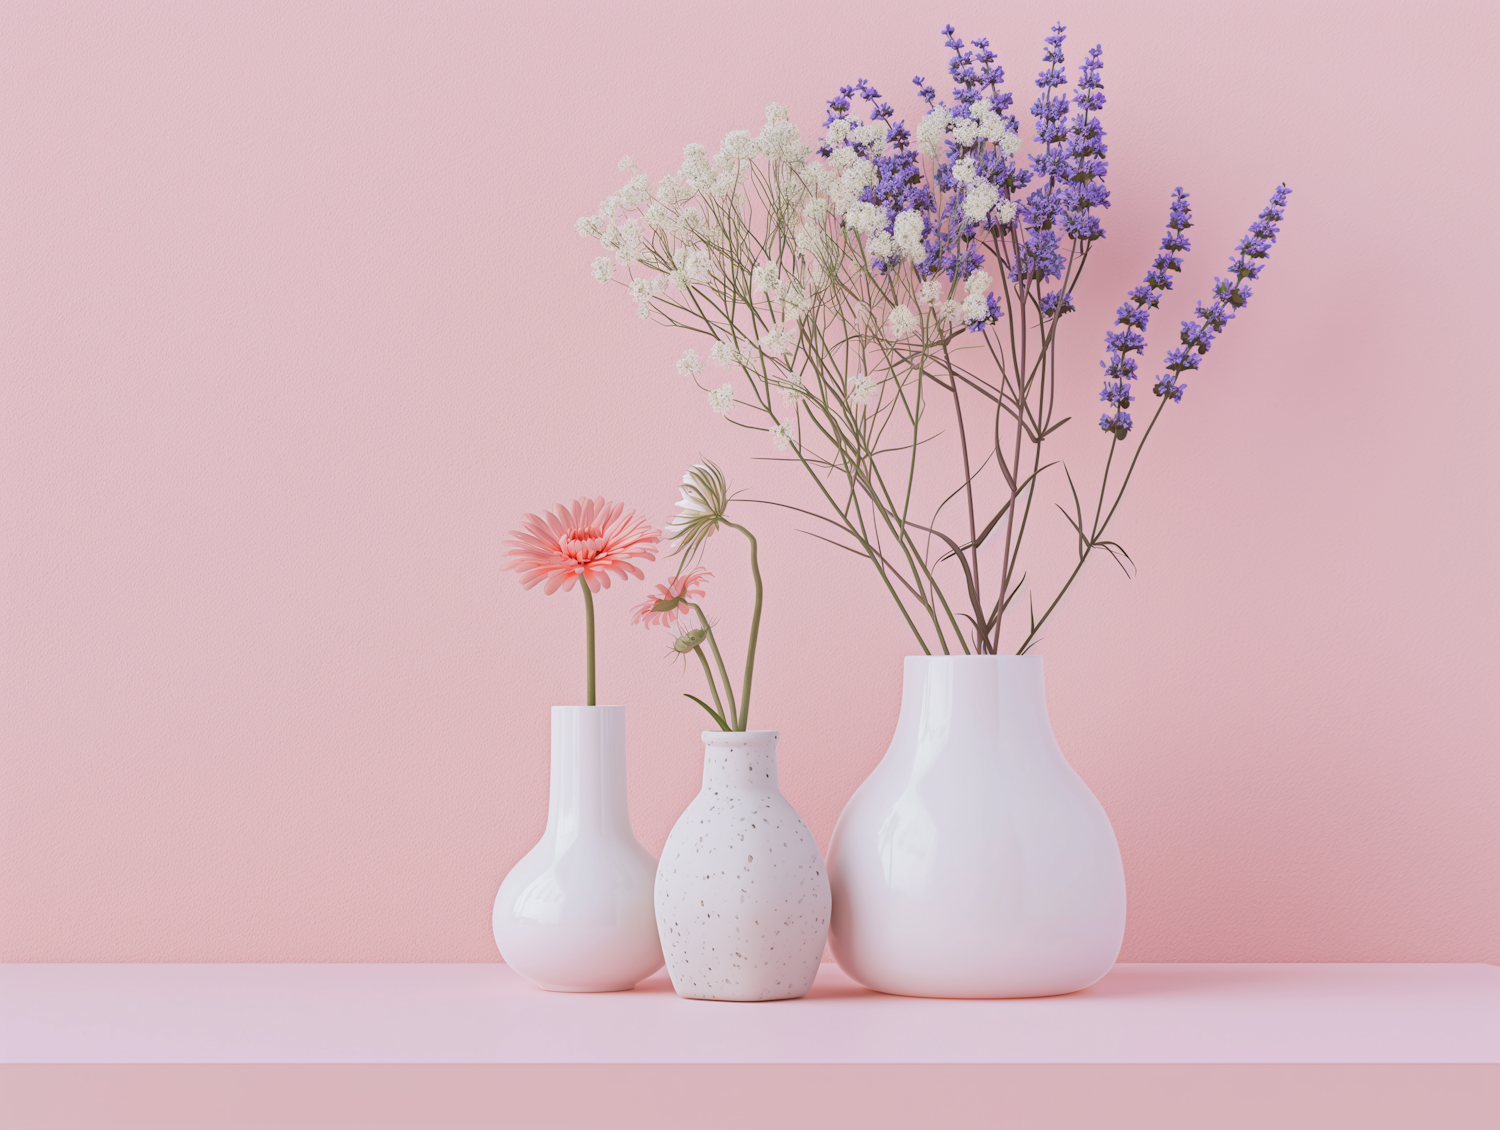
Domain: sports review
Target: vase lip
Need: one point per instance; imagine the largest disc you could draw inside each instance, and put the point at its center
(973, 658)
(728, 737)
(570, 706)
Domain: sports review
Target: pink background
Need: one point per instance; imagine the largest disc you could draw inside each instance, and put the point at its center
(295, 326)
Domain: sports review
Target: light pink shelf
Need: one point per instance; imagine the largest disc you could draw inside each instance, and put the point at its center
(486, 1014)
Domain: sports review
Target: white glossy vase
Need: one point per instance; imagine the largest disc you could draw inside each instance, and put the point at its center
(973, 862)
(575, 914)
(742, 900)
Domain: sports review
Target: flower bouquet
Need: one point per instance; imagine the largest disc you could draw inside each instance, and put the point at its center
(881, 300)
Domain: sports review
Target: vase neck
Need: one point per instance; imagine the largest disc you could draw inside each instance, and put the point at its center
(740, 760)
(588, 795)
(946, 696)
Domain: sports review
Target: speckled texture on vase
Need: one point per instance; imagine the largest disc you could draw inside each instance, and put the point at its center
(742, 896)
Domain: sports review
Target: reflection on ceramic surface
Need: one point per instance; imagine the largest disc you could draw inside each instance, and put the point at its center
(575, 914)
(973, 862)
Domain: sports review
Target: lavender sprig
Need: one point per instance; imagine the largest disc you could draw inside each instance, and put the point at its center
(1229, 295)
(1135, 315)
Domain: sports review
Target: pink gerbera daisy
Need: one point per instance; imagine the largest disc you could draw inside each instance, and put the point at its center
(671, 599)
(591, 539)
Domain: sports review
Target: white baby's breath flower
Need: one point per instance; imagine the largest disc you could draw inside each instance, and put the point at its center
(778, 341)
(672, 192)
(689, 364)
(929, 292)
(974, 308)
(1006, 211)
(843, 156)
(609, 206)
(838, 132)
(724, 354)
(764, 277)
(810, 242)
(979, 198)
(625, 255)
(907, 233)
(626, 162)
(819, 177)
(781, 436)
(738, 145)
(1009, 142)
(931, 130)
(603, 270)
(721, 399)
(795, 305)
(629, 233)
(643, 311)
(588, 227)
(872, 136)
(815, 210)
(634, 193)
(793, 391)
(948, 311)
(902, 322)
(843, 194)
(696, 171)
(965, 131)
(691, 263)
(861, 389)
(640, 289)
(863, 170)
(864, 217)
(964, 171)
(782, 142)
(882, 246)
(657, 215)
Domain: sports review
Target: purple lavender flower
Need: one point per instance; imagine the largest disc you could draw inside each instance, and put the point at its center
(1055, 304)
(1135, 315)
(1229, 295)
(1119, 424)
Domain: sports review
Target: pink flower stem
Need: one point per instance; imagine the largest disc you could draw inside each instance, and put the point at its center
(588, 634)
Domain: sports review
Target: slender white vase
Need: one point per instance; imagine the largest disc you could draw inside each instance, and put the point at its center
(973, 862)
(742, 900)
(575, 914)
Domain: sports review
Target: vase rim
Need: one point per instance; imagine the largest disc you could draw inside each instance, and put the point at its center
(974, 658)
(722, 737)
(570, 706)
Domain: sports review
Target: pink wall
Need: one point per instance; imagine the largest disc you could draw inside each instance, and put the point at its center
(295, 326)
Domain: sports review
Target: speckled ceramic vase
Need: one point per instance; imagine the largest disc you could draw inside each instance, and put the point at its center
(742, 899)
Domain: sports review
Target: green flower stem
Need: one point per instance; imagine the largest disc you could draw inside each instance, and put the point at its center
(743, 721)
(588, 634)
(709, 675)
(719, 659)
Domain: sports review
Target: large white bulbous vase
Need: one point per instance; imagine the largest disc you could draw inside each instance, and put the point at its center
(973, 862)
(575, 915)
(742, 897)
